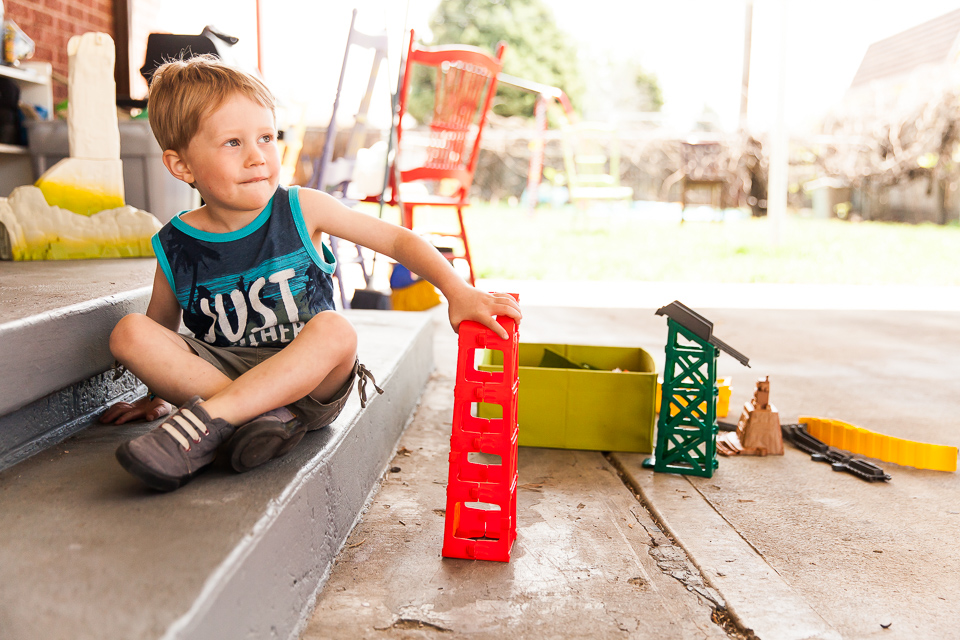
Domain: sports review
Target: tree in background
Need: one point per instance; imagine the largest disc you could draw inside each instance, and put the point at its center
(619, 88)
(649, 88)
(536, 48)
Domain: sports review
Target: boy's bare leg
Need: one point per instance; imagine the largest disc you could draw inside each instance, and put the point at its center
(163, 361)
(317, 363)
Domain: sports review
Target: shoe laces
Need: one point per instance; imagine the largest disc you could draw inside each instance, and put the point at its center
(363, 374)
(192, 426)
(118, 370)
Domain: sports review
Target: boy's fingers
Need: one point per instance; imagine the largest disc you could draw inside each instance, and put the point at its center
(126, 417)
(491, 323)
(513, 312)
(509, 306)
(124, 412)
(111, 414)
(158, 412)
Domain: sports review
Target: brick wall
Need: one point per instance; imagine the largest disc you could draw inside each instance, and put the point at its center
(51, 23)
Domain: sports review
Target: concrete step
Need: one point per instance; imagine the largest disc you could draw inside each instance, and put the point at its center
(55, 320)
(89, 552)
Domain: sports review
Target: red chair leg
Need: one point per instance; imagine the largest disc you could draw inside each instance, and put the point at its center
(406, 214)
(466, 246)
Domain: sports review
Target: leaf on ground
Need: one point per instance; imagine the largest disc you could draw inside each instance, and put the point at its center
(637, 582)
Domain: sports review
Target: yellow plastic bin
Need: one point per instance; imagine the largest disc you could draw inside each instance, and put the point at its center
(573, 408)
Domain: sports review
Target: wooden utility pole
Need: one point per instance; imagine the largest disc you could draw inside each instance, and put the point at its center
(745, 78)
(779, 147)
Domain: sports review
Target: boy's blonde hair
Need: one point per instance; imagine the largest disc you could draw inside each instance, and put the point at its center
(182, 92)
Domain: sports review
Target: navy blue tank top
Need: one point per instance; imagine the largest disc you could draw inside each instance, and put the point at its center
(256, 286)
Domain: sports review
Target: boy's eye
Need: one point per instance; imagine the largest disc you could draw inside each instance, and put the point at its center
(267, 137)
(233, 143)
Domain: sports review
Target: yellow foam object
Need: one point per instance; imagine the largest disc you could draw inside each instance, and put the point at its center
(909, 453)
(83, 185)
(419, 296)
(38, 231)
(723, 399)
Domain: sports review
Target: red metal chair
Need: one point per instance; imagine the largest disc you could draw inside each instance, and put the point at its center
(442, 156)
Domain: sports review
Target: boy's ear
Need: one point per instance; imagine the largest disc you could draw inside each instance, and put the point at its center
(177, 166)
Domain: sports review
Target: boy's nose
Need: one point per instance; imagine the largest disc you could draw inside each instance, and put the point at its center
(255, 156)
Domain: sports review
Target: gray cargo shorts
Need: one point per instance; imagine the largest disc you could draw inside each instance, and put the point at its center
(235, 361)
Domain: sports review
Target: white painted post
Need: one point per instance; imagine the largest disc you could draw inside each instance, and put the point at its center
(779, 147)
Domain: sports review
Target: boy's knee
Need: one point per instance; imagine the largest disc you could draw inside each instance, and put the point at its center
(335, 330)
(126, 332)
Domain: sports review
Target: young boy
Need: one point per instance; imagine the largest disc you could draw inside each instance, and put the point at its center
(269, 357)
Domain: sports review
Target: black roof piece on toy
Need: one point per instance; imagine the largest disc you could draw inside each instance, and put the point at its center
(700, 327)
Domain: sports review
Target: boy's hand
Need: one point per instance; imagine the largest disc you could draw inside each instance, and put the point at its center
(482, 307)
(142, 409)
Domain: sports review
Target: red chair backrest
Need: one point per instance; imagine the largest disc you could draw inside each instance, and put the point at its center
(465, 83)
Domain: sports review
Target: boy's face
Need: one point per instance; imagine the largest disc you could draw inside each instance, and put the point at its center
(233, 159)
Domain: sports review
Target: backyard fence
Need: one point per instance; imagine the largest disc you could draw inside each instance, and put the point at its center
(856, 175)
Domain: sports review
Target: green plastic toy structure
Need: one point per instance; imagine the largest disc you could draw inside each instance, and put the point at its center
(687, 425)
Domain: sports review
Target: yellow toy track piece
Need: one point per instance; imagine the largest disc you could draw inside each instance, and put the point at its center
(723, 399)
(855, 439)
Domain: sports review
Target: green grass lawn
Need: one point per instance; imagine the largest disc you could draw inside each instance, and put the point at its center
(563, 244)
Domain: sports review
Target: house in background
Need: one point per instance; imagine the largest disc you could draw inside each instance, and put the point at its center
(907, 69)
(901, 104)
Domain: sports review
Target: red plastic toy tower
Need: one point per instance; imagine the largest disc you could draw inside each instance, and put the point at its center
(484, 531)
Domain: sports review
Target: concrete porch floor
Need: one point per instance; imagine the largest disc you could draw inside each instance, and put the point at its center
(783, 547)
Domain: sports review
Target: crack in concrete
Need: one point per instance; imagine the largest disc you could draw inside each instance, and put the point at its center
(672, 560)
(723, 619)
(621, 626)
(407, 624)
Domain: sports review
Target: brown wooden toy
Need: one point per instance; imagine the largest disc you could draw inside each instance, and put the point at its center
(758, 430)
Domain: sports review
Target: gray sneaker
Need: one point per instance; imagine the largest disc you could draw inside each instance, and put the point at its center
(268, 436)
(170, 455)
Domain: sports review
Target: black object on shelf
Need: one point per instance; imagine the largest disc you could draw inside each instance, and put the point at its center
(163, 47)
(10, 130)
(131, 103)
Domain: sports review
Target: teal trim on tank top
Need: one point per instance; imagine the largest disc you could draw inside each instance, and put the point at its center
(327, 263)
(162, 260)
(209, 236)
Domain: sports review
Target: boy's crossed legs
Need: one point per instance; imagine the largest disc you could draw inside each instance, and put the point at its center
(317, 367)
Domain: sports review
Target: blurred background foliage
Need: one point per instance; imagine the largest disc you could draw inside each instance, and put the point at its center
(537, 49)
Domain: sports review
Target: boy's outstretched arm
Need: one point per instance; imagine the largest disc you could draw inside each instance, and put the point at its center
(323, 213)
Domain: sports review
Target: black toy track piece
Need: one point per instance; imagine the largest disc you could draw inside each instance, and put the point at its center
(838, 460)
(862, 469)
(797, 435)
